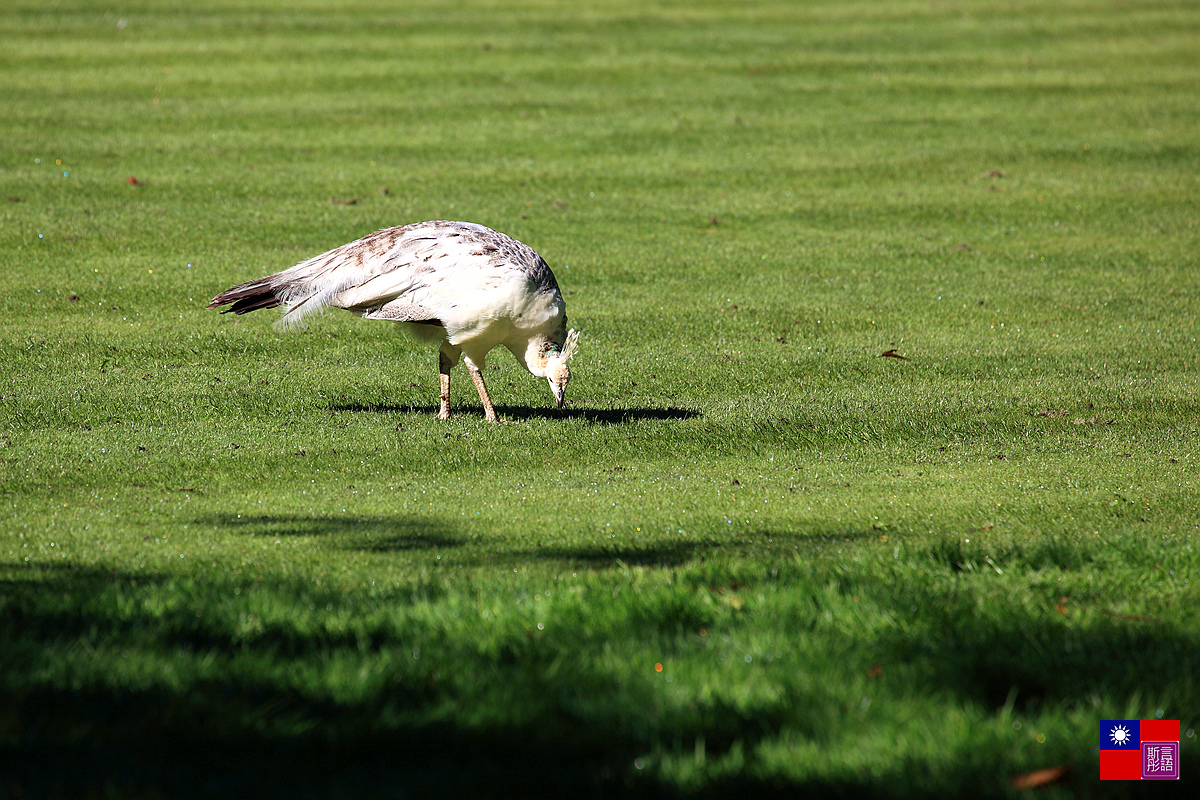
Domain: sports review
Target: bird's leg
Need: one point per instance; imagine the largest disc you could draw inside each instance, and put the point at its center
(488, 411)
(445, 363)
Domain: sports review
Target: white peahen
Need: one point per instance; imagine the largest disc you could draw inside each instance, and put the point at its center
(462, 284)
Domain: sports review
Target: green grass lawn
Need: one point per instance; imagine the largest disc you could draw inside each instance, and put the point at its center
(754, 555)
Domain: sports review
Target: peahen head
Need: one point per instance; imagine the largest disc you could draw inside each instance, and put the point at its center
(558, 374)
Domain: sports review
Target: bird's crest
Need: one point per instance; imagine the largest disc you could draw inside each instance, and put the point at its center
(570, 346)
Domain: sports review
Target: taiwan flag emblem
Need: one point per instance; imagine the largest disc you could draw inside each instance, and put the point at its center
(1139, 749)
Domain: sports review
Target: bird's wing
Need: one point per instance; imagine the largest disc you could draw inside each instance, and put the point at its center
(405, 262)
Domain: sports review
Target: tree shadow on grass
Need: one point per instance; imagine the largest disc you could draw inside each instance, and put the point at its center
(374, 534)
(248, 731)
(670, 554)
(222, 740)
(1033, 661)
(598, 416)
(379, 534)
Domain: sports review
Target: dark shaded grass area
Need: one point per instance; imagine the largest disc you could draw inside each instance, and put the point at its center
(249, 733)
(153, 744)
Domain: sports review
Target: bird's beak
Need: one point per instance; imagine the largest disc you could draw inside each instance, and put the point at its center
(559, 394)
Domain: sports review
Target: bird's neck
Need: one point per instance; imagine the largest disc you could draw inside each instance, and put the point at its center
(535, 357)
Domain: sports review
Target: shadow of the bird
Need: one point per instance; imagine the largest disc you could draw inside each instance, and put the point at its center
(602, 416)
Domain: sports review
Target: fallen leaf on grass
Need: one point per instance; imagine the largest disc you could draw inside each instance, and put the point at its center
(134, 181)
(875, 670)
(347, 201)
(1039, 777)
(892, 354)
(992, 173)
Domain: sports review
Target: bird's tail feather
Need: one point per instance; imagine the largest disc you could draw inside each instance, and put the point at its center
(247, 297)
(307, 289)
(302, 290)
